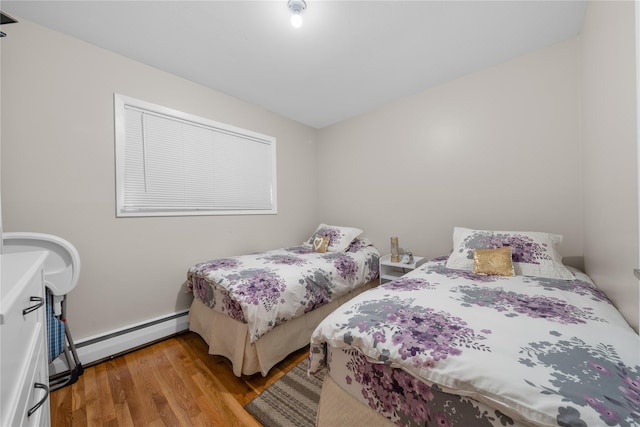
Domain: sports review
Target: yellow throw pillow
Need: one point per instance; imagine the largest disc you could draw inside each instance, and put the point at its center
(493, 261)
(320, 244)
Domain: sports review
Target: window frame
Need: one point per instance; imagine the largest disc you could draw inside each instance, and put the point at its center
(120, 104)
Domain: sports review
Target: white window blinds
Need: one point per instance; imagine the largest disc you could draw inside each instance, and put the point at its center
(173, 163)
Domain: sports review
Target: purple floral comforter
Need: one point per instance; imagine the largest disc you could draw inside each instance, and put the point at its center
(268, 288)
(539, 351)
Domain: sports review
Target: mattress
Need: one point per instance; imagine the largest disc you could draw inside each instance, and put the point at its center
(270, 288)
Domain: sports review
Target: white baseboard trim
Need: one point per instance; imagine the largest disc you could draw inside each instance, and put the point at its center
(110, 344)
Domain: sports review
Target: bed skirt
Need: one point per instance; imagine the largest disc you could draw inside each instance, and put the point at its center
(339, 408)
(230, 338)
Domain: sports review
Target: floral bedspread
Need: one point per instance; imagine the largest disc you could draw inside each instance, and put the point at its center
(541, 351)
(268, 288)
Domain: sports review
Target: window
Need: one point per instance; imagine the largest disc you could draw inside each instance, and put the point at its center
(173, 163)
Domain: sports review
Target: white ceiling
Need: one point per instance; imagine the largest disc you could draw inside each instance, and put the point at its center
(347, 58)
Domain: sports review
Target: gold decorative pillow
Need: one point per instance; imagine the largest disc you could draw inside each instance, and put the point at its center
(320, 244)
(493, 261)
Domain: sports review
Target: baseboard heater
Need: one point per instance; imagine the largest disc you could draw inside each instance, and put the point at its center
(103, 347)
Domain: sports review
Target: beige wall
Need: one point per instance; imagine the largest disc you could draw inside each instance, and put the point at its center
(610, 151)
(58, 176)
(546, 142)
(498, 149)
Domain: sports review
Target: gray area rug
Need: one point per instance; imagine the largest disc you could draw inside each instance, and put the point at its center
(290, 401)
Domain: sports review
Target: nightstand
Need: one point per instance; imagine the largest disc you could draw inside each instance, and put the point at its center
(392, 270)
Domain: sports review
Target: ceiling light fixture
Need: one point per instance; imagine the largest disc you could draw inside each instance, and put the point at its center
(296, 7)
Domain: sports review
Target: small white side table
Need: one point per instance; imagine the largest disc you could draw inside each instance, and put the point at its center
(392, 270)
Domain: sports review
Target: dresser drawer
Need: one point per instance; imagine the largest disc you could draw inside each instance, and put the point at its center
(32, 393)
(20, 332)
(23, 353)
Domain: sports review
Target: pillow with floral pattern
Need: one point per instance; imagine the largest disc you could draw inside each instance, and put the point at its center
(339, 237)
(358, 244)
(533, 253)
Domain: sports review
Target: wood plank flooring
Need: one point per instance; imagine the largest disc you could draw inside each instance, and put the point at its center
(170, 383)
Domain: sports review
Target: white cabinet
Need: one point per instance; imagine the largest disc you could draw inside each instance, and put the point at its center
(24, 372)
(392, 270)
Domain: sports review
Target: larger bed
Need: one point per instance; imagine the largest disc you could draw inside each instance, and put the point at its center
(457, 343)
(256, 309)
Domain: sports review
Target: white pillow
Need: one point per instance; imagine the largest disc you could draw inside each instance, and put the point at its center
(534, 253)
(339, 237)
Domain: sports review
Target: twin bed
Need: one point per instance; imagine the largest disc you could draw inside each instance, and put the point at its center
(257, 309)
(498, 333)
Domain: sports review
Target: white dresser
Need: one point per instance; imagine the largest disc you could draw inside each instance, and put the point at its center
(24, 375)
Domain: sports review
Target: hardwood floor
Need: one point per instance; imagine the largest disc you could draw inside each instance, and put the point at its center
(170, 383)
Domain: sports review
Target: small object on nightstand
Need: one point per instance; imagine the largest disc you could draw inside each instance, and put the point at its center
(395, 250)
(407, 258)
(390, 270)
